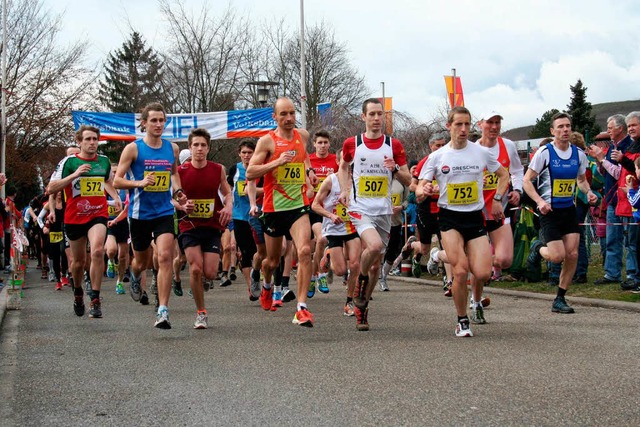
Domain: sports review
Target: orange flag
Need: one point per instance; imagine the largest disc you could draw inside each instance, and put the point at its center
(459, 101)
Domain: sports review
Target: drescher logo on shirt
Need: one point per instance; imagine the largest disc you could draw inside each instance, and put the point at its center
(445, 169)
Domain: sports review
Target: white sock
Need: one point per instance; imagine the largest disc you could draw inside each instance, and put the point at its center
(277, 289)
(434, 256)
(266, 285)
(302, 305)
(386, 268)
(162, 308)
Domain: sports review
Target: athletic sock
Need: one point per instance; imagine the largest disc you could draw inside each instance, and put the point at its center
(285, 281)
(561, 292)
(349, 299)
(266, 285)
(463, 318)
(418, 257)
(302, 305)
(77, 290)
(386, 268)
(277, 289)
(162, 308)
(255, 275)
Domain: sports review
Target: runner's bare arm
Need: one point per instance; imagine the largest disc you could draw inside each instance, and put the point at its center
(176, 183)
(227, 197)
(57, 185)
(318, 202)
(128, 156)
(343, 178)
(257, 166)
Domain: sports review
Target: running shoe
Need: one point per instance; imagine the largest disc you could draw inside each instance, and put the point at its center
(276, 303)
(534, 258)
(485, 301)
(359, 293)
(225, 281)
(477, 315)
(120, 288)
(432, 264)
(325, 262)
(348, 309)
(287, 295)
(362, 323)
(323, 286)
(87, 282)
(447, 291)
(134, 289)
(64, 281)
(251, 296)
(255, 286)
(312, 289)
(177, 287)
(232, 274)
(560, 306)
(382, 283)
(416, 268)
(94, 309)
(303, 318)
(162, 320)
(59, 286)
(463, 329)
(78, 304)
(127, 276)
(201, 320)
(111, 270)
(266, 298)
(207, 284)
(144, 298)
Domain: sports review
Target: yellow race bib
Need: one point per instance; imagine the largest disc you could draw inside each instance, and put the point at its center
(563, 187)
(342, 212)
(291, 173)
(241, 186)
(373, 186)
(396, 199)
(320, 181)
(490, 181)
(202, 208)
(161, 184)
(55, 236)
(113, 211)
(91, 186)
(464, 193)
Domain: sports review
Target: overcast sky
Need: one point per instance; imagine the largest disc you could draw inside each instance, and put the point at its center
(516, 57)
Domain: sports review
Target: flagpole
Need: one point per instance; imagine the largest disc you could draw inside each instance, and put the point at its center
(3, 117)
(303, 71)
(454, 103)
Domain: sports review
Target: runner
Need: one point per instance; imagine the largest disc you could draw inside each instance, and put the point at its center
(559, 165)
(151, 177)
(459, 170)
(375, 159)
(200, 231)
(282, 159)
(117, 245)
(84, 178)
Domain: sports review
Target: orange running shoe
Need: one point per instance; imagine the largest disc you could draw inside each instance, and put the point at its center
(303, 318)
(362, 324)
(59, 286)
(266, 298)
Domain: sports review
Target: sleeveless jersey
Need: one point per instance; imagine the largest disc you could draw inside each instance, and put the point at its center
(323, 167)
(371, 192)
(331, 204)
(154, 201)
(491, 179)
(459, 173)
(85, 197)
(563, 174)
(285, 187)
(202, 185)
(241, 204)
(113, 213)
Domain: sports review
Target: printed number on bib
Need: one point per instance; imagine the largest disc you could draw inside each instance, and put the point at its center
(202, 208)
(342, 212)
(161, 184)
(396, 199)
(242, 186)
(320, 181)
(55, 236)
(113, 211)
(91, 187)
(563, 187)
(373, 186)
(490, 181)
(464, 193)
(292, 173)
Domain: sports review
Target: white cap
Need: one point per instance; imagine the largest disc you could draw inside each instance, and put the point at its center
(184, 155)
(490, 114)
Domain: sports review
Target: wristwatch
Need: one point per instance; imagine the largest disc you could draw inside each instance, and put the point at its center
(396, 169)
(497, 197)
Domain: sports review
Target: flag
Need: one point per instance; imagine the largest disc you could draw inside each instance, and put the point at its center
(459, 101)
(387, 106)
(324, 112)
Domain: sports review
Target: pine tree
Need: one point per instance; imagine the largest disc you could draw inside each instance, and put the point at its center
(133, 77)
(580, 109)
(543, 125)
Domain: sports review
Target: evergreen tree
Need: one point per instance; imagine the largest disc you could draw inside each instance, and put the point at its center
(580, 109)
(543, 125)
(133, 77)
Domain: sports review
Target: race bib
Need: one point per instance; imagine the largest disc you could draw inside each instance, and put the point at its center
(55, 236)
(113, 211)
(464, 193)
(342, 212)
(291, 173)
(161, 184)
(563, 187)
(91, 186)
(396, 199)
(320, 181)
(241, 186)
(373, 186)
(490, 181)
(202, 208)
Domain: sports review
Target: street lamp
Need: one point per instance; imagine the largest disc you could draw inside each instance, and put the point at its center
(263, 90)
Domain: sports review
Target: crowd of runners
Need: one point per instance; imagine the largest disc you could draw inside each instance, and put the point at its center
(335, 215)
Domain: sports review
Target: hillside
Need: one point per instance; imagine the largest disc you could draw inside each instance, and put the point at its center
(602, 112)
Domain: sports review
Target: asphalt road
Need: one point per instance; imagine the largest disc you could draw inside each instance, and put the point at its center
(527, 366)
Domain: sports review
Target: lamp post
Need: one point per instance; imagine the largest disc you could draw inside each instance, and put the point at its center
(263, 90)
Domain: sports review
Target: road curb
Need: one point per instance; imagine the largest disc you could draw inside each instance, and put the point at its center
(3, 303)
(591, 302)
